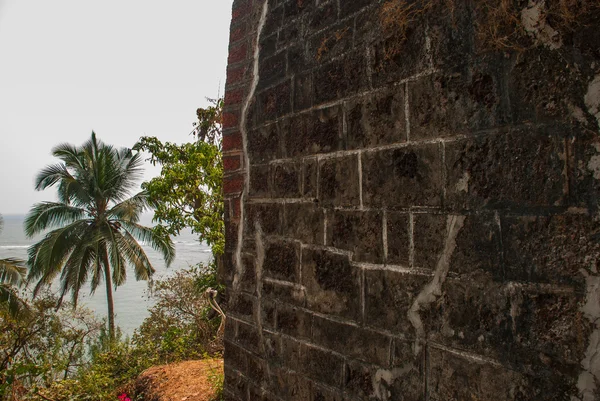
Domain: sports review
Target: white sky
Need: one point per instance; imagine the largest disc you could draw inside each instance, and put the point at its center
(123, 68)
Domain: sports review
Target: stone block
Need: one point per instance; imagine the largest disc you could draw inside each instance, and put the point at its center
(291, 353)
(398, 238)
(584, 174)
(304, 222)
(522, 168)
(444, 105)
(313, 133)
(352, 341)
(236, 385)
(549, 249)
(303, 91)
(358, 380)
(264, 144)
(340, 78)
(242, 306)
(282, 261)
(273, 103)
(323, 16)
(293, 321)
(401, 178)
(268, 48)
(358, 232)
(330, 43)
(274, 21)
(551, 330)
(429, 239)
(294, 9)
(322, 393)
(543, 91)
(268, 313)
(287, 180)
(322, 366)
(289, 385)
(235, 357)
(257, 371)
(248, 281)
(407, 373)
(272, 69)
(310, 168)
(268, 215)
(350, 7)
(452, 37)
(289, 36)
(478, 248)
(260, 181)
(248, 337)
(396, 58)
(389, 296)
(487, 329)
(451, 377)
(376, 120)
(284, 293)
(339, 181)
(332, 283)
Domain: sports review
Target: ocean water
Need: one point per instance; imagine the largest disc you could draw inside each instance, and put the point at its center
(131, 299)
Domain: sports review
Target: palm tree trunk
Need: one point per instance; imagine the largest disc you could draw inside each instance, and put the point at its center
(109, 297)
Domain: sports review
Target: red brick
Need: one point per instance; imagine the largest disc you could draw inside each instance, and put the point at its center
(235, 75)
(238, 34)
(231, 163)
(233, 184)
(241, 11)
(230, 120)
(236, 208)
(238, 53)
(232, 142)
(234, 96)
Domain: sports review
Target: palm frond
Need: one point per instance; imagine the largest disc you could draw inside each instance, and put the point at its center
(130, 209)
(46, 215)
(12, 271)
(47, 257)
(135, 255)
(50, 175)
(10, 300)
(158, 240)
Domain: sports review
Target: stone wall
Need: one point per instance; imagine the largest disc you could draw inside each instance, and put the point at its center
(411, 200)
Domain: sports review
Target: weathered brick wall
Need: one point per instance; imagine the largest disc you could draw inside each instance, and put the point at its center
(411, 200)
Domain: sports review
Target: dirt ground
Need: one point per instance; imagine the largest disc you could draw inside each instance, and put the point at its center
(184, 381)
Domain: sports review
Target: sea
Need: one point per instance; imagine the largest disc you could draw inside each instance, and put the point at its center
(132, 299)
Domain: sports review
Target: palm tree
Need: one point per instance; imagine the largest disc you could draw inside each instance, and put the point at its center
(95, 223)
(12, 274)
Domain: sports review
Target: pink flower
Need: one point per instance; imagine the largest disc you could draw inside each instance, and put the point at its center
(124, 397)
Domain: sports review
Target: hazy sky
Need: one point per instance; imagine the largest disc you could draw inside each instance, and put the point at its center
(123, 68)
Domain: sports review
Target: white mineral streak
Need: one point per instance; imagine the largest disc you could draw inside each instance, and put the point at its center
(592, 98)
(260, 260)
(533, 18)
(433, 289)
(590, 375)
(380, 389)
(594, 162)
(239, 268)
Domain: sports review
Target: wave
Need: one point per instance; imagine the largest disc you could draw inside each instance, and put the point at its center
(14, 246)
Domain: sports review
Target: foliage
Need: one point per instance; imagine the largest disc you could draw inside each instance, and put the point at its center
(188, 192)
(42, 347)
(95, 224)
(12, 274)
(68, 355)
(216, 378)
(181, 324)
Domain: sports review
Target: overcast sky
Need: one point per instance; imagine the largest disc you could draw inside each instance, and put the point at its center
(123, 68)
